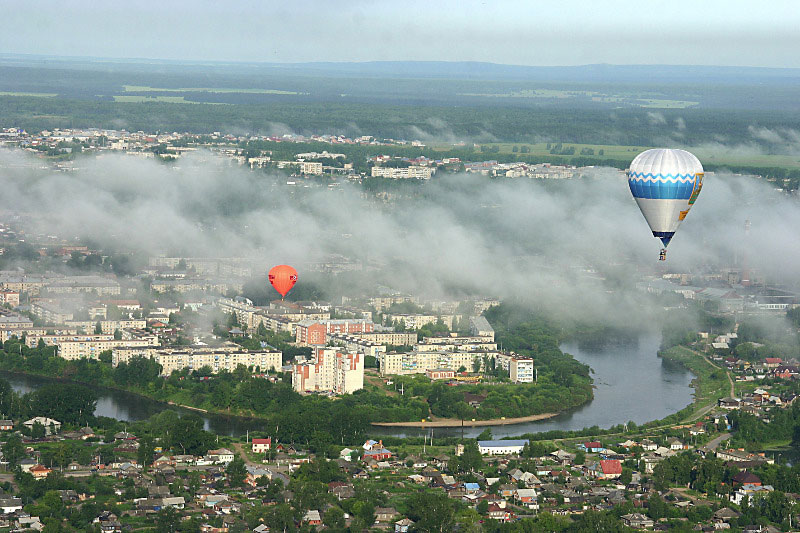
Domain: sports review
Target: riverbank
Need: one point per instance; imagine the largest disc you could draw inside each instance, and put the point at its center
(710, 383)
(455, 423)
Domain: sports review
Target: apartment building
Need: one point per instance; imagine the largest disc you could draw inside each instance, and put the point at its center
(310, 332)
(219, 358)
(332, 371)
(107, 327)
(416, 362)
(6, 334)
(9, 297)
(521, 370)
(12, 320)
(391, 338)
(83, 284)
(91, 349)
(355, 343)
(412, 172)
(51, 312)
(453, 343)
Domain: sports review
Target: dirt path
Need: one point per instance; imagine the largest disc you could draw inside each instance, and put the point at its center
(454, 422)
(239, 447)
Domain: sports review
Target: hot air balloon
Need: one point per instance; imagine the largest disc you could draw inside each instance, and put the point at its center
(665, 184)
(282, 278)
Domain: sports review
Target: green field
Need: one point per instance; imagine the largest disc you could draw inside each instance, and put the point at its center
(622, 98)
(37, 95)
(140, 98)
(145, 89)
(707, 155)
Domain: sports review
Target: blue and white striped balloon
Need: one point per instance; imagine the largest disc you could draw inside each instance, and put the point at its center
(665, 183)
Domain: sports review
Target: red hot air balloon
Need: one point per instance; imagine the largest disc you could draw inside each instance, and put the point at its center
(282, 278)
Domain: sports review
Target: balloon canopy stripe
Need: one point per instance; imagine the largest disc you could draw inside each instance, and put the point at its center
(648, 176)
(661, 190)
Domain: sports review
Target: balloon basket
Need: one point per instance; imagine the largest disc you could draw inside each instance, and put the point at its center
(662, 255)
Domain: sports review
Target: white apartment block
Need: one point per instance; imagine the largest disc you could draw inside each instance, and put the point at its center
(311, 168)
(521, 370)
(416, 321)
(415, 172)
(91, 349)
(355, 343)
(108, 327)
(331, 371)
(217, 361)
(417, 362)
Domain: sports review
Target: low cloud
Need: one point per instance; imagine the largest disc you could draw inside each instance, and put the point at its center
(547, 242)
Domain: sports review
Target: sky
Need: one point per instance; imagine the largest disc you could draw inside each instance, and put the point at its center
(532, 32)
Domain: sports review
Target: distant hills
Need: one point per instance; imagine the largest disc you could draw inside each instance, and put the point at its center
(464, 70)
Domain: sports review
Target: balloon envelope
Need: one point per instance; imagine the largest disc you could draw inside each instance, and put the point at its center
(665, 183)
(282, 278)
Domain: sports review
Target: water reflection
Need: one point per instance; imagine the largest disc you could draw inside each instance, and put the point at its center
(632, 384)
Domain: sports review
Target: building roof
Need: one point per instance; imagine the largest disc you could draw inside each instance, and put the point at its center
(611, 466)
(501, 443)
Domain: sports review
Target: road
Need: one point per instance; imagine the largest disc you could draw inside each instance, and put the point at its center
(714, 443)
(727, 373)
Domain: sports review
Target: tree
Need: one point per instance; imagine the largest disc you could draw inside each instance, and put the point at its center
(483, 507)
(432, 512)
(145, 452)
(13, 450)
(98, 328)
(580, 457)
(168, 520)
(236, 472)
(38, 431)
(70, 403)
(334, 518)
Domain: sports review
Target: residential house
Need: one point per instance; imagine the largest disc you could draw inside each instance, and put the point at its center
(403, 525)
(637, 521)
(261, 445)
(40, 471)
(592, 447)
(50, 426)
(312, 518)
(385, 514)
(222, 455)
(609, 469)
(527, 498)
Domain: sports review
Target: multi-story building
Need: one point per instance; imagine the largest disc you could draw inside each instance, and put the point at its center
(521, 370)
(91, 349)
(226, 357)
(356, 343)
(478, 325)
(311, 167)
(107, 327)
(331, 371)
(9, 297)
(415, 172)
(12, 320)
(27, 284)
(51, 313)
(6, 334)
(310, 332)
(217, 360)
(452, 343)
(416, 362)
(83, 284)
(391, 338)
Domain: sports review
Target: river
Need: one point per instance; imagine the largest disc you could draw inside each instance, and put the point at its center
(631, 384)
